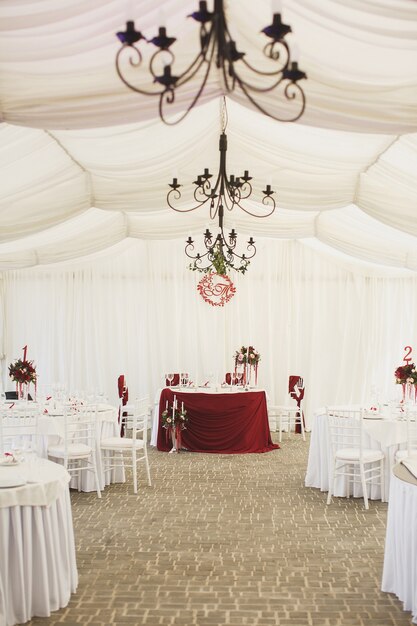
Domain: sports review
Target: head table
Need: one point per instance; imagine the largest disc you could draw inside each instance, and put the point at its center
(223, 422)
(38, 569)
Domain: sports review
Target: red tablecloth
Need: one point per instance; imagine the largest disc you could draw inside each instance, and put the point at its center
(224, 423)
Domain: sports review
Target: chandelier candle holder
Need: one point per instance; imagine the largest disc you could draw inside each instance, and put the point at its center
(174, 420)
(218, 50)
(221, 193)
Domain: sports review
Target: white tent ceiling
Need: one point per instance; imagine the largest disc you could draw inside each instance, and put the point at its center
(84, 162)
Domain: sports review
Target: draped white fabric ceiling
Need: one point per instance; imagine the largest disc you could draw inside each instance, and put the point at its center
(84, 162)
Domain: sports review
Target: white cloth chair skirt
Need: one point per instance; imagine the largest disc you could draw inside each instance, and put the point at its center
(128, 451)
(38, 569)
(352, 462)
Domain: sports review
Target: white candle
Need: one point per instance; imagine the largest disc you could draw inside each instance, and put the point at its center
(182, 407)
(166, 405)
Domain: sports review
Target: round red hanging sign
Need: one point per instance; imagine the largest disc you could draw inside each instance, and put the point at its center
(216, 289)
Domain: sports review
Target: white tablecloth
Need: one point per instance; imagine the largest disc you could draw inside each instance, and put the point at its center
(51, 425)
(215, 389)
(381, 434)
(38, 569)
(400, 557)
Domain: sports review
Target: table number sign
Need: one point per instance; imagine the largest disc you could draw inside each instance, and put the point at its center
(407, 358)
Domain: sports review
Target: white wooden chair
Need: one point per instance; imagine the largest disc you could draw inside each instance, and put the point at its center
(19, 428)
(129, 450)
(350, 458)
(285, 418)
(411, 449)
(77, 449)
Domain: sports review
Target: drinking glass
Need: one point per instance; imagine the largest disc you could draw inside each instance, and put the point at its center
(170, 378)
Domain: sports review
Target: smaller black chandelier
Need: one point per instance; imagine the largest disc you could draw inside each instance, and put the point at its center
(224, 193)
(217, 47)
(220, 252)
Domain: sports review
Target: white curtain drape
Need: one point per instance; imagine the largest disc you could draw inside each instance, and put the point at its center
(138, 313)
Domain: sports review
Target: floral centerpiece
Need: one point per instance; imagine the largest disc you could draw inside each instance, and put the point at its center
(406, 375)
(174, 420)
(22, 372)
(247, 358)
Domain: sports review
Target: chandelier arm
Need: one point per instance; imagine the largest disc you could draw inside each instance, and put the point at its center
(144, 92)
(171, 99)
(288, 97)
(229, 197)
(245, 195)
(155, 56)
(184, 77)
(177, 196)
(202, 201)
(214, 210)
(255, 214)
(273, 55)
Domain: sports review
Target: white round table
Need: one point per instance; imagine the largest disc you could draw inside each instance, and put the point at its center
(38, 569)
(400, 555)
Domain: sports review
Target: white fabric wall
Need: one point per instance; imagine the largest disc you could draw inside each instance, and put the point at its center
(138, 313)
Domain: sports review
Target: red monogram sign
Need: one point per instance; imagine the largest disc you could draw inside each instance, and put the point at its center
(216, 289)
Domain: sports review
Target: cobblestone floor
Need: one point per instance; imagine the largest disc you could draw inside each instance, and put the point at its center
(228, 539)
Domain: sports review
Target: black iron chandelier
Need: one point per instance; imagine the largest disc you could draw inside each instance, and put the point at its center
(223, 194)
(217, 47)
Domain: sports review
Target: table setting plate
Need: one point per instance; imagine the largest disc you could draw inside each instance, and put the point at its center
(9, 463)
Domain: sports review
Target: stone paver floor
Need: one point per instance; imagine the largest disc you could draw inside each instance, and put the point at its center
(228, 539)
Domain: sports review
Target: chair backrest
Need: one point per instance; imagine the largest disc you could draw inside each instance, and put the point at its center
(136, 417)
(19, 427)
(80, 425)
(230, 378)
(411, 413)
(173, 383)
(345, 429)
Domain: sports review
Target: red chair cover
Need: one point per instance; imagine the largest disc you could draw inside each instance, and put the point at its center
(297, 395)
(174, 382)
(229, 376)
(124, 396)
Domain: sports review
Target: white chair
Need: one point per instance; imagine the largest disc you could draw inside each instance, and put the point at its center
(77, 449)
(411, 449)
(350, 458)
(128, 451)
(285, 418)
(19, 428)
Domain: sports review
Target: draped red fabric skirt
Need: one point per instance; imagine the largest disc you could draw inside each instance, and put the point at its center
(221, 423)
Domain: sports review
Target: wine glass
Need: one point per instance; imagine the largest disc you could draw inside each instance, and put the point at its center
(2, 397)
(239, 376)
(170, 378)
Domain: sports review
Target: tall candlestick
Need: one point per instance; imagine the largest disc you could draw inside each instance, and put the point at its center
(25, 348)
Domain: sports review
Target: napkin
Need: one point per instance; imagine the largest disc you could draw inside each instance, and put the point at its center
(411, 464)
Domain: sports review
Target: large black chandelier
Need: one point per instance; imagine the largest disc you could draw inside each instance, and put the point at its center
(221, 193)
(217, 47)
